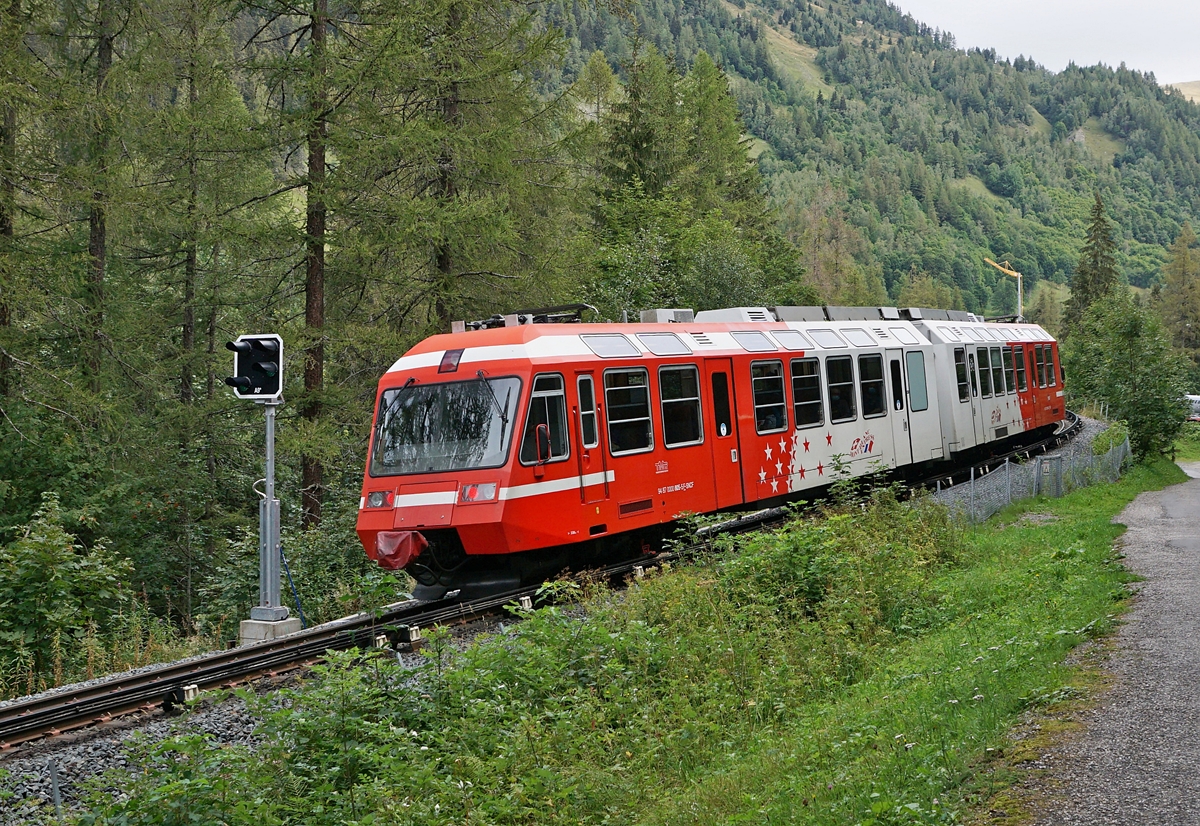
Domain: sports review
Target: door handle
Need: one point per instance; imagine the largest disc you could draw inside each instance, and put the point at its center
(733, 455)
(906, 426)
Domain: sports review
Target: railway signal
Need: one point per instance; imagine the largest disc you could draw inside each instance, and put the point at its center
(258, 377)
(257, 367)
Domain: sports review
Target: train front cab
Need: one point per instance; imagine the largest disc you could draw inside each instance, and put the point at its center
(1005, 378)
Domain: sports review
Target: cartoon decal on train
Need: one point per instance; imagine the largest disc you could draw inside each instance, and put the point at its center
(499, 454)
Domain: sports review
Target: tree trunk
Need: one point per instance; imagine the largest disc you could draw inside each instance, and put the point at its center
(188, 333)
(446, 186)
(97, 219)
(312, 473)
(8, 191)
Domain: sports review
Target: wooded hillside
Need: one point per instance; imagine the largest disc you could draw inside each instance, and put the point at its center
(354, 176)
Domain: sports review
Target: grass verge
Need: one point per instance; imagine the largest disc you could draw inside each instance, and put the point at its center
(1187, 446)
(862, 667)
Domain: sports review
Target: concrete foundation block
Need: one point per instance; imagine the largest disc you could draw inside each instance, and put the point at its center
(252, 631)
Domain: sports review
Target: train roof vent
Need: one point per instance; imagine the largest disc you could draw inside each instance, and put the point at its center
(960, 315)
(880, 332)
(736, 314)
(925, 314)
(565, 314)
(852, 313)
(701, 338)
(667, 316)
(798, 313)
(889, 313)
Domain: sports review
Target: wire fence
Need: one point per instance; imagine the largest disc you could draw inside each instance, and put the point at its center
(990, 489)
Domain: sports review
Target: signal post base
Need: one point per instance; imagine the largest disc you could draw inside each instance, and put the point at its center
(252, 631)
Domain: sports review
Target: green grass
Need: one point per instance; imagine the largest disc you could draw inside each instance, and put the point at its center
(858, 668)
(1040, 125)
(1101, 143)
(976, 186)
(1187, 446)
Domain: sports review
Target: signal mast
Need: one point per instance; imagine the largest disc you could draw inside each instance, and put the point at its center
(1007, 269)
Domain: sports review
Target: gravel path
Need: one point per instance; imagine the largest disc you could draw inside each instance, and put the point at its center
(1138, 760)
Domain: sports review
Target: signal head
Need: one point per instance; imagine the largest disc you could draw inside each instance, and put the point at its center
(257, 367)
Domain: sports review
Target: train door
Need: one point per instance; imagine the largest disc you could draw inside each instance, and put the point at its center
(721, 421)
(593, 459)
(977, 414)
(901, 437)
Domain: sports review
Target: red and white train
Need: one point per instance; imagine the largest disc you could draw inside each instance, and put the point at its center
(500, 454)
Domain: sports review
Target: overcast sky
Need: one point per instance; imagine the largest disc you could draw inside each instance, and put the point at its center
(1160, 36)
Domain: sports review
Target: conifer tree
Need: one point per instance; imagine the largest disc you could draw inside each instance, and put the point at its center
(1181, 293)
(1096, 273)
(720, 174)
(645, 140)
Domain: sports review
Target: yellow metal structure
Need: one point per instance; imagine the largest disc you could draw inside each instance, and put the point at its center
(1007, 269)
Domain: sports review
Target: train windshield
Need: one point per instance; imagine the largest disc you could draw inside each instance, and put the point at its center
(426, 428)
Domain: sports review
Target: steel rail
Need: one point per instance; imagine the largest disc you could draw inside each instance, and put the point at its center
(54, 713)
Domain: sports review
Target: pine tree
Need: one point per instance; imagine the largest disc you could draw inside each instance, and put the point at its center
(1181, 293)
(719, 175)
(645, 142)
(1096, 273)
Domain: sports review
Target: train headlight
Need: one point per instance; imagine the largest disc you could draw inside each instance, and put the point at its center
(485, 492)
(379, 498)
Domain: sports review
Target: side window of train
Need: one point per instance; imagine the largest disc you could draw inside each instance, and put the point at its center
(721, 412)
(587, 412)
(897, 384)
(806, 393)
(918, 392)
(1041, 365)
(998, 372)
(1019, 358)
(960, 373)
(1033, 382)
(1009, 376)
(679, 395)
(627, 397)
(548, 406)
(985, 374)
(839, 372)
(770, 403)
(971, 373)
(1050, 371)
(870, 380)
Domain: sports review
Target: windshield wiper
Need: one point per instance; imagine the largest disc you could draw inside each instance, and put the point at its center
(501, 410)
(385, 412)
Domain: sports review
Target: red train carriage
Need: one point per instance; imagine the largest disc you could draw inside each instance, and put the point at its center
(504, 453)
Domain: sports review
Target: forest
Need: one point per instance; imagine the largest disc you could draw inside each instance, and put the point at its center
(355, 176)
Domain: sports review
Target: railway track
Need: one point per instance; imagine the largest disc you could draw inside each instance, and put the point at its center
(398, 625)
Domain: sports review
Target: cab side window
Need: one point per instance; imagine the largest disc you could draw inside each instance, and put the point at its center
(587, 412)
(548, 406)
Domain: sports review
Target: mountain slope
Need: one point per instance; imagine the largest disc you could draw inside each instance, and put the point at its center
(896, 153)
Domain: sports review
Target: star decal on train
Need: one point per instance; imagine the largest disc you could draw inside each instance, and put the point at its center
(778, 468)
(829, 438)
(768, 452)
(820, 470)
(805, 446)
(802, 471)
(782, 446)
(762, 475)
